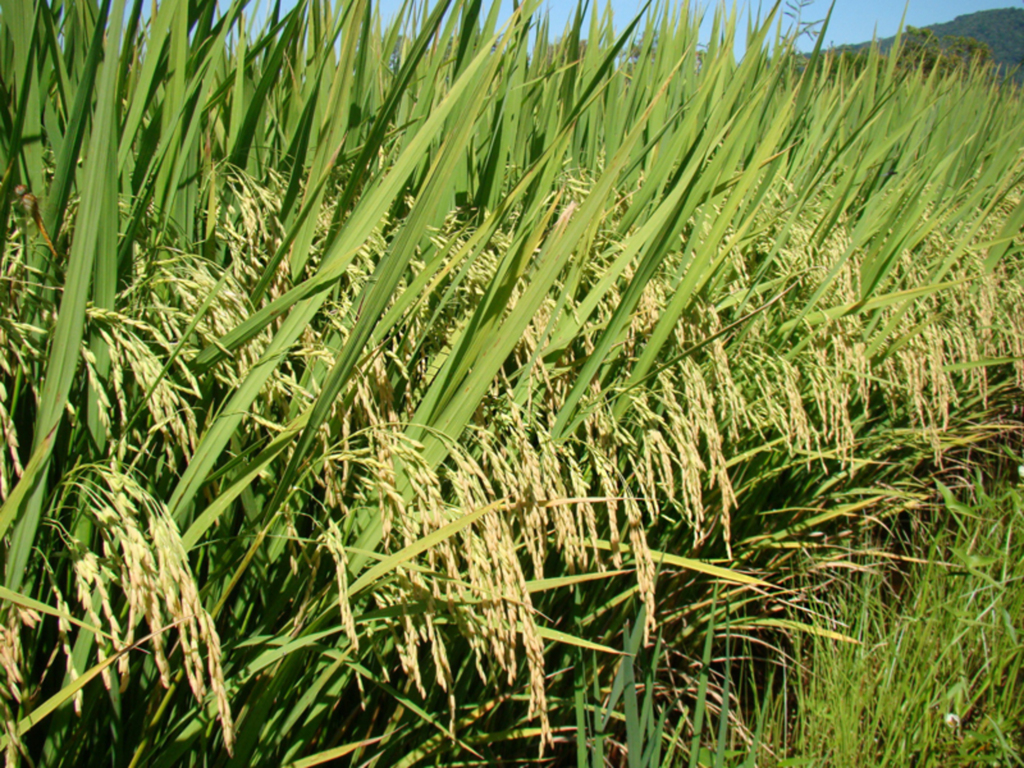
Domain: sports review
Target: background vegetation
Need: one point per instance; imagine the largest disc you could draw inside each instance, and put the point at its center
(436, 393)
(1000, 30)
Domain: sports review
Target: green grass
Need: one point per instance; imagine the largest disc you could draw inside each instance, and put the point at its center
(390, 380)
(934, 672)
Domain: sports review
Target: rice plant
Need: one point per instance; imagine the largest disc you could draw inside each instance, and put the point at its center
(361, 379)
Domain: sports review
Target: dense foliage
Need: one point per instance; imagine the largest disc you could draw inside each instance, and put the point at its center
(995, 35)
(367, 390)
(1001, 29)
(924, 49)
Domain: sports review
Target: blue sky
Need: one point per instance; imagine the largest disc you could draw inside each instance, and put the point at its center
(853, 21)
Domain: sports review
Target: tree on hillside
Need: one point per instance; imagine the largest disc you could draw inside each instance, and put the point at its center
(923, 49)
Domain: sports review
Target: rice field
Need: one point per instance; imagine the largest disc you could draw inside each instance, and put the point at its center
(371, 390)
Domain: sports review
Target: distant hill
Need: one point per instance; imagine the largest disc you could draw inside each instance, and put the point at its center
(1001, 29)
